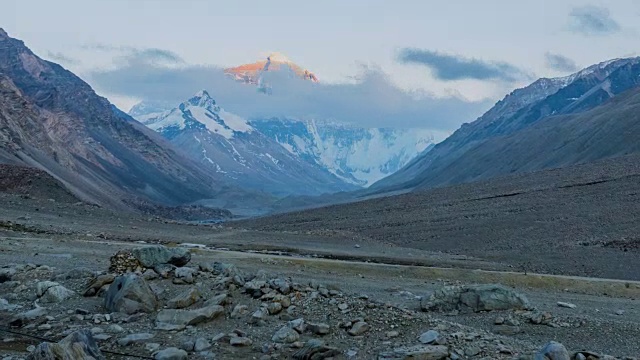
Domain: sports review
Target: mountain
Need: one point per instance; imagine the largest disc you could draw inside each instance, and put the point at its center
(586, 116)
(52, 120)
(284, 156)
(252, 73)
(359, 156)
(233, 149)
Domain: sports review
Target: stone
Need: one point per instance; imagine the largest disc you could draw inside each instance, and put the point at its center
(24, 318)
(6, 274)
(282, 285)
(472, 351)
(417, 352)
(285, 335)
(274, 308)
(318, 328)
(429, 337)
(239, 311)
(566, 305)
(392, 334)
(185, 274)
(150, 256)
(359, 328)
(115, 329)
(221, 299)
(189, 317)
(151, 347)
(298, 325)
(97, 283)
(171, 353)
(78, 345)
(258, 317)
(52, 292)
(553, 351)
(343, 306)
(201, 344)
(240, 341)
(506, 330)
(130, 294)
(150, 274)
(5, 306)
(185, 299)
(315, 350)
(135, 338)
(474, 298)
(164, 270)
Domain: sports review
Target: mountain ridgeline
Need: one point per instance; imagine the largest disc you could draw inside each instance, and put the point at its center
(52, 120)
(590, 115)
(283, 156)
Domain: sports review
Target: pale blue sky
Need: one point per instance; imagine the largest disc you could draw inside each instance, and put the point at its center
(522, 39)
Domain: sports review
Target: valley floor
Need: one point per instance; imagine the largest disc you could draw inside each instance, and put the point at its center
(606, 319)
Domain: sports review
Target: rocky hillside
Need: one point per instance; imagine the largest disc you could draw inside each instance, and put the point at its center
(544, 125)
(51, 119)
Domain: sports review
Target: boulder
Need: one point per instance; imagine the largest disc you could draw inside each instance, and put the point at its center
(135, 338)
(130, 294)
(285, 335)
(150, 256)
(189, 317)
(52, 292)
(171, 354)
(184, 300)
(474, 298)
(359, 328)
(97, 283)
(553, 351)
(78, 345)
(429, 337)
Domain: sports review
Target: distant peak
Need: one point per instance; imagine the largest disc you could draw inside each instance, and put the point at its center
(202, 99)
(278, 57)
(275, 61)
(202, 94)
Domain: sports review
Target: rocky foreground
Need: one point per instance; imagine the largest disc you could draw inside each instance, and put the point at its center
(153, 302)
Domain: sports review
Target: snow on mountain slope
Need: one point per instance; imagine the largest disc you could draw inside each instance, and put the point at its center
(358, 156)
(227, 145)
(201, 109)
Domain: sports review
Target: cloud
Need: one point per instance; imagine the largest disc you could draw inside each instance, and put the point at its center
(454, 67)
(143, 55)
(560, 63)
(592, 20)
(371, 100)
(62, 58)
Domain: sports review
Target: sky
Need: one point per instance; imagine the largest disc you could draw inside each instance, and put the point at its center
(422, 63)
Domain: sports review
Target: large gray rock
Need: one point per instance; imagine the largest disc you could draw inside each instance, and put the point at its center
(474, 298)
(553, 351)
(285, 335)
(189, 317)
(135, 338)
(171, 354)
(417, 352)
(151, 256)
(78, 345)
(130, 294)
(52, 292)
(184, 299)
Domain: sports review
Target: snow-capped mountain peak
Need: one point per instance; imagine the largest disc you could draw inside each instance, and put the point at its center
(200, 110)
